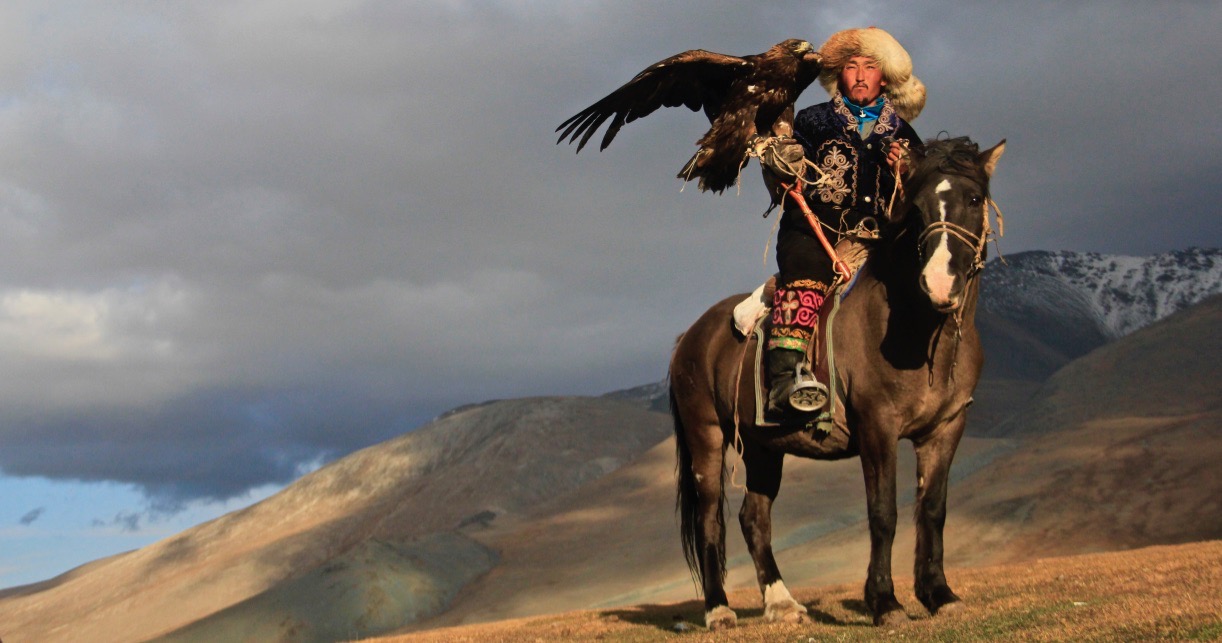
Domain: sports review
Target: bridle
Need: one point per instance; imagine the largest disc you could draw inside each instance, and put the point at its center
(977, 242)
(974, 241)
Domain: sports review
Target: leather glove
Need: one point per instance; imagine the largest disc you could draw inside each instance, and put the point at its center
(784, 158)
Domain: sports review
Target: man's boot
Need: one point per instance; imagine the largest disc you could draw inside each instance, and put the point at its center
(792, 385)
(782, 363)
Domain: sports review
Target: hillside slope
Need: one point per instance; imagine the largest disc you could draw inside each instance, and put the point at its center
(1041, 310)
(1100, 476)
(522, 507)
(1152, 594)
(382, 507)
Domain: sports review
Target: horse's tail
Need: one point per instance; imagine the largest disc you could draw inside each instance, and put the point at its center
(686, 498)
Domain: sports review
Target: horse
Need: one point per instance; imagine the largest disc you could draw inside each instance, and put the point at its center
(907, 359)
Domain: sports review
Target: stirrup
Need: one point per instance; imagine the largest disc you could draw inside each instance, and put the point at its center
(808, 394)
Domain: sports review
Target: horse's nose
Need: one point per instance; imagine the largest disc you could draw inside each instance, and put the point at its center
(940, 283)
(948, 306)
(942, 300)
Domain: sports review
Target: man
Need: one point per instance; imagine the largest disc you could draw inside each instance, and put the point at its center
(858, 141)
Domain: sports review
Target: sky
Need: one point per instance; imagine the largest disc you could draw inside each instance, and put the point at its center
(240, 239)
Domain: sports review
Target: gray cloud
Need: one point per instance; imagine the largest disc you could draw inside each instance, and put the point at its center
(31, 516)
(239, 237)
(126, 521)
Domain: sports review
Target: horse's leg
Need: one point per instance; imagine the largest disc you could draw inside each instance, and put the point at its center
(934, 456)
(708, 462)
(763, 482)
(878, 449)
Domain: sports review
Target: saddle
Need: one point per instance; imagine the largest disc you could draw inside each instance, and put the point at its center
(750, 314)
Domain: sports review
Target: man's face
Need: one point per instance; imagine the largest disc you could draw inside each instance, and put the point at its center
(861, 80)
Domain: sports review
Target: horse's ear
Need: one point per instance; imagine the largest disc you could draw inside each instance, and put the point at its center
(988, 158)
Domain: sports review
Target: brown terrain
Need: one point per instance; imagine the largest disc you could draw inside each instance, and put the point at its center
(1164, 593)
(528, 507)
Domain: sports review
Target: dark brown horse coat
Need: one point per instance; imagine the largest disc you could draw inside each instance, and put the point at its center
(907, 360)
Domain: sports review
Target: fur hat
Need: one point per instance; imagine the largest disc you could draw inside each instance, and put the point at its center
(905, 91)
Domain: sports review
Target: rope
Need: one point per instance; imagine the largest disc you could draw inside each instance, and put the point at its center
(954, 354)
(738, 438)
(791, 174)
(1001, 228)
(973, 241)
(899, 179)
(771, 235)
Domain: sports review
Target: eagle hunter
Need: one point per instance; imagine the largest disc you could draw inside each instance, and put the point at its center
(743, 97)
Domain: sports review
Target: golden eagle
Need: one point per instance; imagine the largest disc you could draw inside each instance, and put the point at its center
(742, 97)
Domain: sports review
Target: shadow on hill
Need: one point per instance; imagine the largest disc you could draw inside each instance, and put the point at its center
(848, 605)
(52, 583)
(666, 617)
(663, 617)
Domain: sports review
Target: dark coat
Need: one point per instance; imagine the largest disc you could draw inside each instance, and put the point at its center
(860, 183)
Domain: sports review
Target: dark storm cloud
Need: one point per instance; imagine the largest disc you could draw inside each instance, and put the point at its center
(240, 237)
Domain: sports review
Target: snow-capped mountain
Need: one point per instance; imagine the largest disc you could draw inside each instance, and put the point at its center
(1117, 294)
(1039, 310)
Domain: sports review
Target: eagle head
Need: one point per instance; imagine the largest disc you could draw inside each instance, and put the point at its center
(796, 47)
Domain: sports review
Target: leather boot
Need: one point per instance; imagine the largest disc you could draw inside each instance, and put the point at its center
(792, 384)
(782, 364)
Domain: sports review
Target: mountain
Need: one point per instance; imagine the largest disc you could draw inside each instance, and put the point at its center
(368, 542)
(1039, 310)
(1168, 369)
(518, 507)
(654, 397)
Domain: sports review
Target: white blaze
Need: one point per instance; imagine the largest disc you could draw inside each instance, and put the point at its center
(938, 277)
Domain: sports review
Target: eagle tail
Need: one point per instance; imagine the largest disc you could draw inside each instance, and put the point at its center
(711, 179)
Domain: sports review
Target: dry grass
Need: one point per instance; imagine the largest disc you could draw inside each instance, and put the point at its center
(1151, 594)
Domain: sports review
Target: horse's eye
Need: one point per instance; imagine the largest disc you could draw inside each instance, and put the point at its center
(976, 200)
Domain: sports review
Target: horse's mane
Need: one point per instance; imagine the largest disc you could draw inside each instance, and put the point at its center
(958, 155)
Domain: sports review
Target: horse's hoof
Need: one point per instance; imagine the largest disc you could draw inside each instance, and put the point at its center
(953, 607)
(789, 611)
(720, 618)
(892, 618)
(940, 601)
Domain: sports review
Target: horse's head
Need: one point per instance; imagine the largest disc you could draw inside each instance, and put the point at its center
(948, 189)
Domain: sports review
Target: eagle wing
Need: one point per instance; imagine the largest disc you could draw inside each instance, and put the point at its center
(697, 78)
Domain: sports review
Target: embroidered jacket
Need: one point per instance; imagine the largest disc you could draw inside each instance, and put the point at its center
(860, 182)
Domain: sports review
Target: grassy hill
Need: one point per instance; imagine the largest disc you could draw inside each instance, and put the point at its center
(1164, 593)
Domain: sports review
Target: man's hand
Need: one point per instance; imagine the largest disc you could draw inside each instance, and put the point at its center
(897, 157)
(783, 161)
(783, 157)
